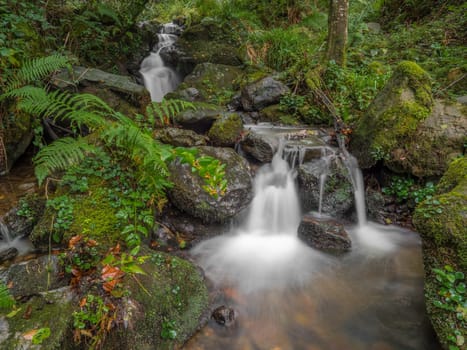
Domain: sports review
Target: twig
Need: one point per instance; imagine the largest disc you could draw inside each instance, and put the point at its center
(454, 82)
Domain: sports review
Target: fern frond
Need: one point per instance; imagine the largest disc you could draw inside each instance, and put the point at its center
(166, 110)
(37, 69)
(60, 155)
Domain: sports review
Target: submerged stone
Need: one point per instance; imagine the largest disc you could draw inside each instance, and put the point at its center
(324, 234)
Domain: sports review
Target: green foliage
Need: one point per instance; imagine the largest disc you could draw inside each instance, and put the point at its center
(452, 297)
(24, 209)
(168, 330)
(41, 335)
(59, 156)
(6, 300)
(63, 206)
(162, 113)
(37, 69)
(406, 190)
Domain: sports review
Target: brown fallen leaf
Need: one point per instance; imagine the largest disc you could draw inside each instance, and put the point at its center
(30, 334)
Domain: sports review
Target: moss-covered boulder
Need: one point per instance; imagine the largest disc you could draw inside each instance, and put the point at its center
(275, 114)
(393, 117)
(49, 312)
(263, 93)
(189, 196)
(199, 120)
(441, 222)
(226, 130)
(180, 137)
(439, 139)
(164, 309)
(214, 83)
(209, 41)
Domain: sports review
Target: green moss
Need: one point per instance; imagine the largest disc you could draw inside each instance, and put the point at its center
(226, 130)
(174, 291)
(94, 215)
(53, 310)
(441, 221)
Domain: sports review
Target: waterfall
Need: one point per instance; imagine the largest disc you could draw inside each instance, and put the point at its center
(5, 235)
(275, 208)
(160, 79)
(264, 253)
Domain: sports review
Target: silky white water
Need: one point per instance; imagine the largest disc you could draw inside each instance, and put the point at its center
(160, 79)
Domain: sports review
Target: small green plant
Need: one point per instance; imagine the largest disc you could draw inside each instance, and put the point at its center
(168, 330)
(63, 206)
(452, 294)
(400, 188)
(6, 300)
(41, 335)
(24, 210)
(406, 190)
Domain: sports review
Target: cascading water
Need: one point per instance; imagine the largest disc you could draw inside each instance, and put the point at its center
(287, 295)
(160, 79)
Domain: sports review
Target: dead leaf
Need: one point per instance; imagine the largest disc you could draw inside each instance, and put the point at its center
(83, 302)
(27, 313)
(74, 240)
(30, 334)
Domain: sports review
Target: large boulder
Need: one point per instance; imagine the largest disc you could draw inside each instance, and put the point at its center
(259, 146)
(338, 194)
(208, 41)
(213, 83)
(438, 140)
(226, 131)
(120, 92)
(324, 234)
(262, 93)
(441, 222)
(199, 120)
(161, 311)
(393, 117)
(189, 196)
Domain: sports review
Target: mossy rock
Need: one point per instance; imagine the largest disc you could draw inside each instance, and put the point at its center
(51, 310)
(171, 296)
(393, 116)
(275, 114)
(93, 215)
(210, 41)
(214, 83)
(441, 222)
(225, 131)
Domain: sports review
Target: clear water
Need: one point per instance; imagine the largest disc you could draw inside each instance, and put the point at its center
(287, 295)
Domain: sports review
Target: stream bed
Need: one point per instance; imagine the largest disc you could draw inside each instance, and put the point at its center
(370, 298)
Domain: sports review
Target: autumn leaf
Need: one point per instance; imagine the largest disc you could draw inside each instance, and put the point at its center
(74, 240)
(109, 285)
(111, 272)
(30, 334)
(83, 302)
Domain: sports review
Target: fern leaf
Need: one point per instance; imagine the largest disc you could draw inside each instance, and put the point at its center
(6, 300)
(60, 155)
(37, 69)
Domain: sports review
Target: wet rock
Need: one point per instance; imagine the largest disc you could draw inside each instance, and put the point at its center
(324, 234)
(338, 195)
(35, 276)
(223, 315)
(189, 196)
(260, 147)
(262, 93)
(8, 254)
(199, 120)
(22, 225)
(214, 83)
(374, 27)
(225, 132)
(180, 137)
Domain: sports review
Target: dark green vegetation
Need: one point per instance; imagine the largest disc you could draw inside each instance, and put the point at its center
(106, 181)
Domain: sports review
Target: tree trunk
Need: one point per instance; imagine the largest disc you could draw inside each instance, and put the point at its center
(337, 31)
